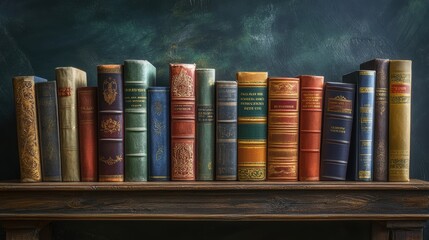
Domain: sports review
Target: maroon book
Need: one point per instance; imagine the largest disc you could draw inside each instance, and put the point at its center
(87, 124)
(110, 124)
(182, 83)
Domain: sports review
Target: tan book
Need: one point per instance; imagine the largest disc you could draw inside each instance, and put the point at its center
(68, 80)
(399, 120)
(27, 132)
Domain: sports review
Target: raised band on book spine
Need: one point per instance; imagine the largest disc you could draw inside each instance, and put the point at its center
(226, 130)
(110, 124)
(183, 146)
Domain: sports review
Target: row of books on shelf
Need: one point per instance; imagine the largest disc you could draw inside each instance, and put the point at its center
(256, 128)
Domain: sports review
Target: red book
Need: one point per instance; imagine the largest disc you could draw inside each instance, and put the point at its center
(310, 125)
(182, 84)
(87, 124)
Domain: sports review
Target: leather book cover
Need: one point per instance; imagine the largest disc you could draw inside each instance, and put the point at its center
(338, 114)
(205, 83)
(110, 124)
(68, 80)
(381, 117)
(360, 163)
(49, 138)
(252, 126)
(399, 120)
(183, 145)
(138, 76)
(283, 127)
(310, 127)
(158, 112)
(26, 127)
(226, 130)
(87, 122)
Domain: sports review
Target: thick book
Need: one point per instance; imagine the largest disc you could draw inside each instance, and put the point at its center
(110, 124)
(252, 126)
(158, 120)
(310, 127)
(68, 80)
(283, 124)
(26, 127)
(226, 130)
(205, 93)
(49, 136)
(381, 117)
(338, 114)
(87, 122)
(399, 120)
(138, 76)
(360, 165)
(182, 102)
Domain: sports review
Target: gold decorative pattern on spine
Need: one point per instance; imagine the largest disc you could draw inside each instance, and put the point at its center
(182, 85)
(251, 173)
(110, 92)
(110, 161)
(110, 126)
(182, 158)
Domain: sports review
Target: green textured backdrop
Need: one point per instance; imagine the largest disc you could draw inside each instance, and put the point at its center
(285, 38)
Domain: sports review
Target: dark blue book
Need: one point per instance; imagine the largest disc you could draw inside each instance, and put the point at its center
(226, 130)
(158, 107)
(338, 111)
(360, 166)
(49, 138)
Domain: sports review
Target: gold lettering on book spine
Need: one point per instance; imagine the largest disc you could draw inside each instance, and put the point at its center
(110, 92)
(27, 131)
(182, 85)
(182, 157)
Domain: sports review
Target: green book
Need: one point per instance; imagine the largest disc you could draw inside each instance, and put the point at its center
(205, 84)
(138, 76)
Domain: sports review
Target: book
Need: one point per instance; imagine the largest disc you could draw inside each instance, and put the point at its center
(183, 146)
(252, 126)
(158, 112)
(110, 123)
(339, 100)
(26, 127)
(68, 80)
(226, 130)
(399, 120)
(283, 127)
(49, 135)
(87, 123)
(310, 127)
(205, 100)
(360, 163)
(138, 76)
(381, 116)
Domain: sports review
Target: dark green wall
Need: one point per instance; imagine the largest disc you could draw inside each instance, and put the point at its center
(285, 38)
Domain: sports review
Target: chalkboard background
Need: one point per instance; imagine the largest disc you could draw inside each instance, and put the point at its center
(285, 38)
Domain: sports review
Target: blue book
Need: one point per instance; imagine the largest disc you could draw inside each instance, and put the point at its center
(360, 167)
(158, 106)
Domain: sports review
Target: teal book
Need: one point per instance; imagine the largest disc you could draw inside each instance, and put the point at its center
(205, 82)
(138, 76)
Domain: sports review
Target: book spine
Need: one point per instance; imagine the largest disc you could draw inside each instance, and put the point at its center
(310, 127)
(337, 128)
(138, 76)
(252, 126)
(87, 122)
(68, 80)
(205, 83)
(283, 123)
(381, 117)
(183, 148)
(110, 124)
(27, 132)
(399, 120)
(158, 133)
(49, 139)
(226, 130)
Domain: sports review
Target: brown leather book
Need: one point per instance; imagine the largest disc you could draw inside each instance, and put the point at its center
(283, 123)
(182, 84)
(87, 124)
(26, 123)
(310, 127)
